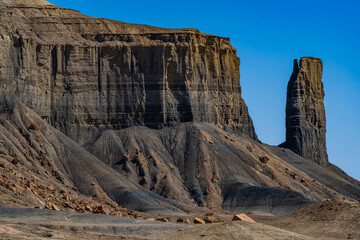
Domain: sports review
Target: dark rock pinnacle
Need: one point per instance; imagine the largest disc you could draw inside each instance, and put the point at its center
(305, 112)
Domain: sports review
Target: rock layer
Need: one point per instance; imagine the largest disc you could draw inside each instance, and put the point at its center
(305, 111)
(97, 80)
(87, 74)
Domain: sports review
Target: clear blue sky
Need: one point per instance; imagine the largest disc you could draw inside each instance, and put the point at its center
(268, 36)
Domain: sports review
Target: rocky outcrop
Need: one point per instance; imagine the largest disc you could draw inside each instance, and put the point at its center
(84, 74)
(115, 87)
(305, 111)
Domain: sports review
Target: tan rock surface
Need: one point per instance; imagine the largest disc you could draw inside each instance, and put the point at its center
(198, 221)
(242, 217)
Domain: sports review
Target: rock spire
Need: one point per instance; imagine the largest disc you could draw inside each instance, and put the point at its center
(305, 111)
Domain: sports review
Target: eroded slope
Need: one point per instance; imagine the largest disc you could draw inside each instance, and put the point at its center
(35, 156)
(201, 162)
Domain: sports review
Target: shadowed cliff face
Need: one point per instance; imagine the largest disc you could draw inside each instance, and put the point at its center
(123, 92)
(305, 111)
(84, 74)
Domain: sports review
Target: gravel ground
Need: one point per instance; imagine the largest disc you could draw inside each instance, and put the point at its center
(17, 223)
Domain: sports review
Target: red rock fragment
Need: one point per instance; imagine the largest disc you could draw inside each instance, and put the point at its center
(101, 210)
(89, 208)
(161, 219)
(69, 205)
(119, 214)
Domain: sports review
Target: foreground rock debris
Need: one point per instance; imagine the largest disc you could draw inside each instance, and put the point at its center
(105, 117)
(60, 225)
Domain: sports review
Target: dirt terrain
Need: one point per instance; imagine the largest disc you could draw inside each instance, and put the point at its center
(18, 223)
(332, 219)
(110, 130)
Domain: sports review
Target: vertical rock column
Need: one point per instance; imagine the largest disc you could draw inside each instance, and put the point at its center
(305, 111)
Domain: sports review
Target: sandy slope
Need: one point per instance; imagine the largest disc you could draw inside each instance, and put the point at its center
(331, 219)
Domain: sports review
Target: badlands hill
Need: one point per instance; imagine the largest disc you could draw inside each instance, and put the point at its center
(331, 219)
(96, 112)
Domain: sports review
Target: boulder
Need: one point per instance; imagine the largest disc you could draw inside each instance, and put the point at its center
(162, 219)
(242, 217)
(264, 159)
(198, 221)
(89, 208)
(210, 219)
(101, 210)
(180, 220)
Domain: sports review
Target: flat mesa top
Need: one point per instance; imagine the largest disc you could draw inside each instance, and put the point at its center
(27, 16)
(25, 2)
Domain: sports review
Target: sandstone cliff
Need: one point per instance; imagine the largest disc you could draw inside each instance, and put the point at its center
(305, 111)
(153, 113)
(87, 74)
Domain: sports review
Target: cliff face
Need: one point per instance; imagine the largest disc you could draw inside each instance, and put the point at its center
(92, 77)
(305, 111)
(87, 74)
